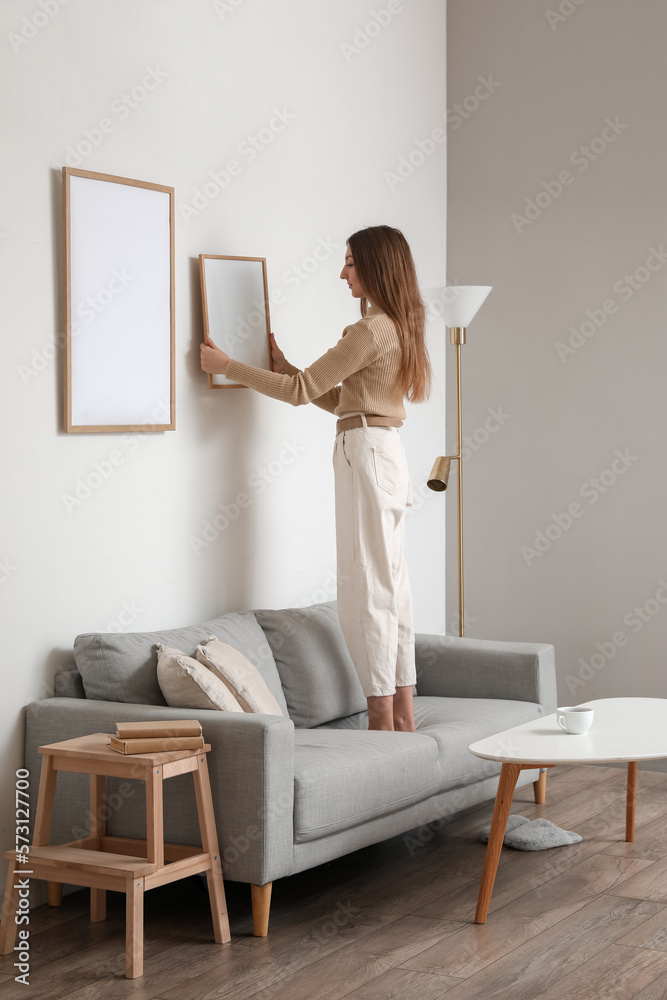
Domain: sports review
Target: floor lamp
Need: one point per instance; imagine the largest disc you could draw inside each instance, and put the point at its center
(457, 305)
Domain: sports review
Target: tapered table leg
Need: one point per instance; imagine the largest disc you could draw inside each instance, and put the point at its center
(540, 789)
(630, 808)
(55, 893)
(261, 906)
(509, 775)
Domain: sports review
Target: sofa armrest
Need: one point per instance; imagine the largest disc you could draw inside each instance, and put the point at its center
(480, 668)
(251, 766)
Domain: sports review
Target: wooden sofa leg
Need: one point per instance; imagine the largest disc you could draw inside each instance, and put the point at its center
(540, 788)
(261, 904)
(55, 893)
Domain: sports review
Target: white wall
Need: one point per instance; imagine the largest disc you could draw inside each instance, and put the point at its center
(560, 72)
(356, 101)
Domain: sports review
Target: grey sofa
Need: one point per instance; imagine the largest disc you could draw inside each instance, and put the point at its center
(296, 791)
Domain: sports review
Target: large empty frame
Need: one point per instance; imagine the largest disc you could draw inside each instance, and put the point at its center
(235, 299)
(119, 303)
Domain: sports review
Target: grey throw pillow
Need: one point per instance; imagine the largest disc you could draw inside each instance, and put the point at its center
(317, 674)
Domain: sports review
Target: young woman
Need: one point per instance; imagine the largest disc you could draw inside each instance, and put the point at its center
(378, 362)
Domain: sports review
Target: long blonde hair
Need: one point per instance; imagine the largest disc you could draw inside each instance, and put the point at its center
(386, 272)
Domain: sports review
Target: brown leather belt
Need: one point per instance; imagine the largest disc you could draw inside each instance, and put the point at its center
(348, 423)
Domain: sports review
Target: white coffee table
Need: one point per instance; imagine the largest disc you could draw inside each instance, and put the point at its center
(624, 729)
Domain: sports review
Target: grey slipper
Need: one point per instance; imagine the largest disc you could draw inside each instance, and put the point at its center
(512, 823)
(533, 835)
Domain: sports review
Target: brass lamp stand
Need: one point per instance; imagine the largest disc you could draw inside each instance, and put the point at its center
(458, 306)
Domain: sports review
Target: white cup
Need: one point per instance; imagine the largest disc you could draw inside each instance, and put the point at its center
(575, 720)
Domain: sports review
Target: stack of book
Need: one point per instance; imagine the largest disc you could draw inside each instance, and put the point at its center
(154, 737)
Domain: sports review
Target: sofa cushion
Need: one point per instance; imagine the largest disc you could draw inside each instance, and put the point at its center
(317, 675)
(455, 723)
(122, 666)
(67, 683)
(358, 721)
(344, 778)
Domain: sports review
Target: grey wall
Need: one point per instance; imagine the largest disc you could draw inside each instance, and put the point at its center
(565, 502)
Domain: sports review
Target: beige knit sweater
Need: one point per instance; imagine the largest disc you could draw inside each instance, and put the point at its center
(366, 362)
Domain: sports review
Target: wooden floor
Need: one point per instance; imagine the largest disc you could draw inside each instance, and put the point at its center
(585, 922)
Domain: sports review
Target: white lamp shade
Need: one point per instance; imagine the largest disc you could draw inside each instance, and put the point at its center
(458, 304)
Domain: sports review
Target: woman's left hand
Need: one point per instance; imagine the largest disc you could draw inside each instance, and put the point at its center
(213, 360)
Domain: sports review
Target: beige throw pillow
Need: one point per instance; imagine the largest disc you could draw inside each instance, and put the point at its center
(242, 678)
(185, 683)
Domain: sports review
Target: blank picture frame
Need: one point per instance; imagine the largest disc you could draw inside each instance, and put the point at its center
(119, 303)
(235, 302)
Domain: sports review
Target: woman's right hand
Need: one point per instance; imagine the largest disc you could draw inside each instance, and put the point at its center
(277, 357)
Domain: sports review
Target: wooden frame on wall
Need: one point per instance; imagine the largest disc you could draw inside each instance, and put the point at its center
(119, 303)
(235, 303)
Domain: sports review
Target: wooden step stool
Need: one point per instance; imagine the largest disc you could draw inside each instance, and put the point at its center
(118, 863)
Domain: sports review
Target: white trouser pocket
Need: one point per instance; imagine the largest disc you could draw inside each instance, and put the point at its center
(389, 471)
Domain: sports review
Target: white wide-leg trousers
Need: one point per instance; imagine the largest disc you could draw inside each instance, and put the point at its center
(374, 601)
